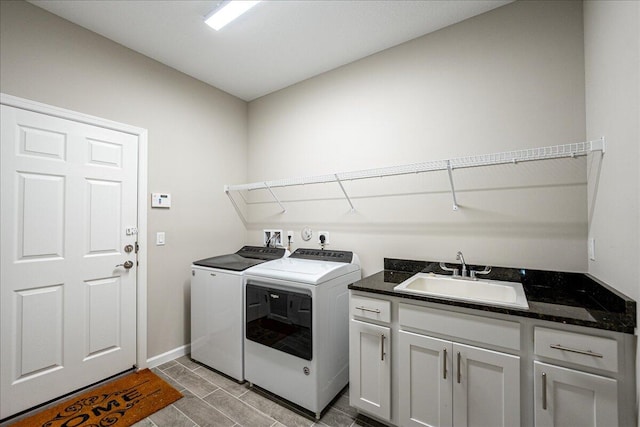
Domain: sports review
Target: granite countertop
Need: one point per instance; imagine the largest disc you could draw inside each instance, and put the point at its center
(571, 298)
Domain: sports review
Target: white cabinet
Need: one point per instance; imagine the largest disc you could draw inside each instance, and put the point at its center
(370, 368)
(487, 391)
(500, 361)
(426, 390)
(444, 383)
(571, 397)
(370, 356)
(568, 397)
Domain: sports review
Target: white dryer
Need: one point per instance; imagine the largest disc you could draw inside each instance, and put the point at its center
(297, 325)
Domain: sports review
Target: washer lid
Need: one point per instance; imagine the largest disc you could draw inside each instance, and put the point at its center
(302, 270)
(246, 257)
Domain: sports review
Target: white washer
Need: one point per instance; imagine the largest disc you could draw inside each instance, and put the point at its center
(217, 307)
(297, 325)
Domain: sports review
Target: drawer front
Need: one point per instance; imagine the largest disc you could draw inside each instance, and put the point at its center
(462, 326)
(585, 350)
(370, 308)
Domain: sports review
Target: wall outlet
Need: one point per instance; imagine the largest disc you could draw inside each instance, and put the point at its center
(592, 248)
(272, 238)
(323, 235)
(290, 236)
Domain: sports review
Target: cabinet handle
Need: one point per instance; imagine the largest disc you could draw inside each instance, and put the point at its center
(382, 347)
(444, 365)
(373, 310)
(544, 391)
(576, 350)
(459, 357)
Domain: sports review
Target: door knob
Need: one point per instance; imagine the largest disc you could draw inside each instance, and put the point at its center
(127, 264)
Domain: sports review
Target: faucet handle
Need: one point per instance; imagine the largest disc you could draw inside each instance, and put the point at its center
(486, 270)
(444, 267)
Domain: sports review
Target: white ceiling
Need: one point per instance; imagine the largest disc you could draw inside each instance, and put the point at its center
(276, 44)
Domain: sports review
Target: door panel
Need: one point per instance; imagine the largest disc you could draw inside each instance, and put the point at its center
(103, 231)
(68, 311)
(574, 398)
(486, 387)
(103, 314)
(40, 236)
(41, 143)
(104, 153)
(39, 328)
(370, 368)
(425, 381)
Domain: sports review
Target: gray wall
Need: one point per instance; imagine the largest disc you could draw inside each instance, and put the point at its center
(512, 78)
(612, 54)
(197, 142)
(612, 65)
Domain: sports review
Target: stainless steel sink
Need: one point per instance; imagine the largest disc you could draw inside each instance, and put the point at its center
(482, 291)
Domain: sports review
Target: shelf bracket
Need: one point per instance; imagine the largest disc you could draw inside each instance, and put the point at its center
(235, 205)
(598, 145)
(453, 189)
(284, 210)
(344, 191)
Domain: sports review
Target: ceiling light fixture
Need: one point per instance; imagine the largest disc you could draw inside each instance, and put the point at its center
(228, 12)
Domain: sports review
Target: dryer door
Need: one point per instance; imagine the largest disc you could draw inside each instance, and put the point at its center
(280, 318)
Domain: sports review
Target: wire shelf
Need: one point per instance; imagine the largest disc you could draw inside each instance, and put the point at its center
(530, 154)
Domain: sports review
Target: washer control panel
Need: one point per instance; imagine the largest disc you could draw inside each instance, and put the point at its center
(261, 252)
(323, 255)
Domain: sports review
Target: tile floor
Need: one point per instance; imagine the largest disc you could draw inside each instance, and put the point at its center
(211, 399)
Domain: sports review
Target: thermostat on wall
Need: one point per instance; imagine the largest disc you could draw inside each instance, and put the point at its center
(160, 200)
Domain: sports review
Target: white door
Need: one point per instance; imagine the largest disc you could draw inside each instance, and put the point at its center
(486, 387)
(566, 397)
(68, 305)
(426, 395)
(370, 368)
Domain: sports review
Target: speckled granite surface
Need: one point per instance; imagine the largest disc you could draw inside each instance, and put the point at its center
(571, 298)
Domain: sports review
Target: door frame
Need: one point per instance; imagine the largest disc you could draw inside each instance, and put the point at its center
(141, 134)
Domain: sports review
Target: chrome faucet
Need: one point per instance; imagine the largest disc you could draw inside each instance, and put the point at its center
(460, 258)
(465, 271)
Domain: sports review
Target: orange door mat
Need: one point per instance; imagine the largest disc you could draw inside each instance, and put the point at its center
(120, 403)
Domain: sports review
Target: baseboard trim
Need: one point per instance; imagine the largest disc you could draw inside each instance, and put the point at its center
(169, 355)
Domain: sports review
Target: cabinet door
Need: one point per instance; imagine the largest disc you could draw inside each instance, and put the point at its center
(566, 397)
(370, 368)
(486, 387)
(425, 381)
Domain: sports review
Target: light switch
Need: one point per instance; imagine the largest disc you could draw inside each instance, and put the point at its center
(160, 238)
